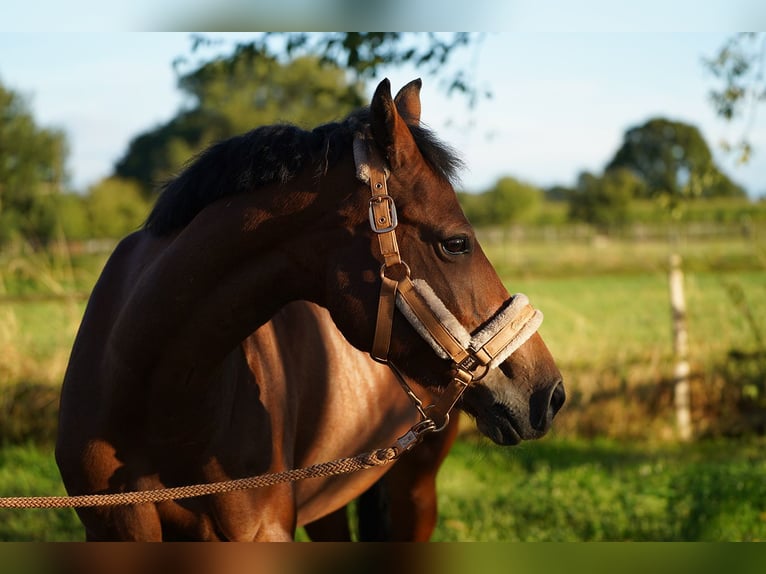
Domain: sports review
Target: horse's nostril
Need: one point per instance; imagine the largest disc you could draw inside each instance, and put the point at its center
(558, 397)
(545, 405)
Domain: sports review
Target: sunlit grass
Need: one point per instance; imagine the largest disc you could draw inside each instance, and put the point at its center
(607, 323)
(555, 489)
(576, 490)
(623, 318)
(568, 252)
(31, 471)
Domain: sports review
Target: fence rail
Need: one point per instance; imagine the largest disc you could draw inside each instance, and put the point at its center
(43, 298)
(638, 232)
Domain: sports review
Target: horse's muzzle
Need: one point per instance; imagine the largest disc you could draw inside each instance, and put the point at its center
(507, 418)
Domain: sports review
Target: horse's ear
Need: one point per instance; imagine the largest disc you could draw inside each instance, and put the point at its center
(389, 130)
(408, 102)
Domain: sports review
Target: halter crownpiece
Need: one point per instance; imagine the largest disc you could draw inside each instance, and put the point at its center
(472, 355)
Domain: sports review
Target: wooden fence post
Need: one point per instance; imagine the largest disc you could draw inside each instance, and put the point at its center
(681, 391)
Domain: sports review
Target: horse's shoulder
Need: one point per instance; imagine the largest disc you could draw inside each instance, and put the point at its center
(110, 293)
(130, 258)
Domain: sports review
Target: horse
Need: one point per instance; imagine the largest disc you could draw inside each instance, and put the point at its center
(401, 505)
(172, 381)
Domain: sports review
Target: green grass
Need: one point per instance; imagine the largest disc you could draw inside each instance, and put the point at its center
(573, 251)
(611, 336)
(555, 489)
(607, 323)
(31, 471)
(566, 490)
(36, 335)
(619, 318)
(589, 321)
(45, 328)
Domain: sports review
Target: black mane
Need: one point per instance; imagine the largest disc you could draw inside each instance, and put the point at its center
(271, 154)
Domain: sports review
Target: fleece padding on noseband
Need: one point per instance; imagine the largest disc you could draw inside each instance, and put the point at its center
(461, 335)
(505, 315)
(441, 312)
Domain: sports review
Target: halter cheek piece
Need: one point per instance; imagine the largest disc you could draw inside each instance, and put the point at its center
(472, 356)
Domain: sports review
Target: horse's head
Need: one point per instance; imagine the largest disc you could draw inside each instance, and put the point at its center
(455, 315)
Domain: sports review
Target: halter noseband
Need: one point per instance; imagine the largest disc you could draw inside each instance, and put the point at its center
(472, 356)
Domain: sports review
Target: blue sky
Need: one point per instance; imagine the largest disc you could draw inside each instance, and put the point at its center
(445, 15)
(561, 100)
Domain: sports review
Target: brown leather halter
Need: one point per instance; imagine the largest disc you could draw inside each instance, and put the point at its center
(470, 362)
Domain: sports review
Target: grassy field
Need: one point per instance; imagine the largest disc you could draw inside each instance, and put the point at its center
(610, 334)
(610, 471)
(556, 489)
(569, 490)
(30, 470)
(608, 323)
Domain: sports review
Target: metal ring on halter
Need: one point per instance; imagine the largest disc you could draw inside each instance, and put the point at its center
(406, 269)
(471, 364)
(446, 420)
(478, 377)
(424, 426)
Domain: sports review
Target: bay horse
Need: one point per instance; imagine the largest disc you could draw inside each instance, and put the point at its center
(175, 378)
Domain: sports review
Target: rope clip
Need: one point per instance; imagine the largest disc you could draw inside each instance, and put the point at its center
(414, 436)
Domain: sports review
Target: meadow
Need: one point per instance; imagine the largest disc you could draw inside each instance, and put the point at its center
(611, 470)
(557, 489)
(574, 490)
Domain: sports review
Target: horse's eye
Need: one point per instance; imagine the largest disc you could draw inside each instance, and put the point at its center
(456, 245)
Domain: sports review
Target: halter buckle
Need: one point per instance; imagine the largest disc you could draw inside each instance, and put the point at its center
(383, 218)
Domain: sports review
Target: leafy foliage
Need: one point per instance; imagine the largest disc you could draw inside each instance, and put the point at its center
(112, 208)
(115, 207)
(31, 172)
(739, 68)
(661, 160)
(364, 53)
(72, 213)
(509, 201)
(231, 95)
(673, 160)
(605, 201)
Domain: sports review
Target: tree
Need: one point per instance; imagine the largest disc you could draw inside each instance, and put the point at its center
(232, 95)
(605, 201)
(674, 161)
(509, 201)
(738, 67)
(476, 207)
(32, 170)
(115, 207)
(247, 89)
(154, 156)
(364, 53)
(304, 78)
(72, 213)
(512, 201)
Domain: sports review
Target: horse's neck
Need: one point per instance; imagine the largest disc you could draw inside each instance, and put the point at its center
(206, 289)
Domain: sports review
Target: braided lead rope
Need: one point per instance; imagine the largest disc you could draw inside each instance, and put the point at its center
(362, 461)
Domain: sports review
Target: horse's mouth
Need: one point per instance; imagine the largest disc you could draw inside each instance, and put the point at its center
(497, 424)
